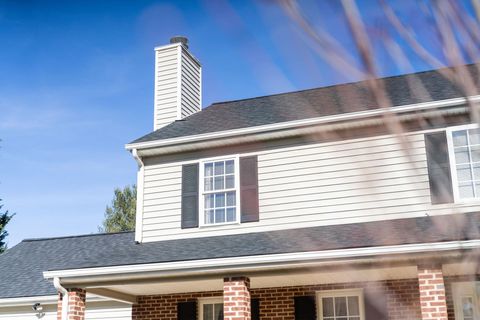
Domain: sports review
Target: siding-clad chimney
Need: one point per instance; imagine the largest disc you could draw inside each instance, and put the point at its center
(178, 88)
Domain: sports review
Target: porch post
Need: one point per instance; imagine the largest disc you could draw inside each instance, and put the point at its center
(76, 304)
(236, 298)
(433, 300)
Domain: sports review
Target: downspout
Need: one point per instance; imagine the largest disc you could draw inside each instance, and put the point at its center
(139, 209)
(64, 293)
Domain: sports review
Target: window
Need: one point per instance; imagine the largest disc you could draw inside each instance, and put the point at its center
(466, 300)
(340, 305)
(219, 191)
(464, 149)
(211, 309)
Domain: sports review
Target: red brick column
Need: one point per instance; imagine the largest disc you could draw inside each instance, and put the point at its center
(236, 298)
(433, 301)
(76, 304)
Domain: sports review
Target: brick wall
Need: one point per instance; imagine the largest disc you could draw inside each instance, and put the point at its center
(236, 298)
(402, 300)
(433, 300)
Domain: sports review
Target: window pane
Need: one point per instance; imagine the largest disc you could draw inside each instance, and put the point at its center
(476, 171)
(208, 169)
(218, 311)
(475, 150)
(474, 136)
(461, 155)
(467, 303)
(353, 309)
(231, 214)
(229, 166)
(340, 306)
(464, 173)
(219, 200)
(230, 199)
(208, 311)
(230, 181)
(327, 304)
(220, 215)
(219, 168)
(459, 138)
(208, 184)
(209, 217)
(209, 201)
(219, 183)
(466, 190)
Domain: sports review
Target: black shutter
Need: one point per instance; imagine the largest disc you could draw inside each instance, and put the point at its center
(375, 305)
(305, 308)
(255, 309)
(249, 189)
(438, 162)
(187, 310)
(190, 196)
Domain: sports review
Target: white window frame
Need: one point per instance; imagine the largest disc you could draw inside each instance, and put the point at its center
(201, 201)
(209, 300)
(340, 293)
(453, 165)
(465, 289)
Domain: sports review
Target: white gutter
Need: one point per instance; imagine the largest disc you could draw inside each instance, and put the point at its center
(28, 301)
(44, 300)
(64, 292)
(303, 122)
(260, 262)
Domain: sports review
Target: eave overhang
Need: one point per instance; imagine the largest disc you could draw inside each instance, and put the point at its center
(263, 263)
(300, 127)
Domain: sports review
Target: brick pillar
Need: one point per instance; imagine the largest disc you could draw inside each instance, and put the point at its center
(433, 300)
(236, 298)
(76, 304)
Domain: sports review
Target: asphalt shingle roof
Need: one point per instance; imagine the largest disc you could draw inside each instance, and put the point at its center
(325, 101)
(21, 267)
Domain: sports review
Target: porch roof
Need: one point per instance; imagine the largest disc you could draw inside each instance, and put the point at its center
(22, 265)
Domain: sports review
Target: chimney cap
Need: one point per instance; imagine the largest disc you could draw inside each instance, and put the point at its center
(180, 39)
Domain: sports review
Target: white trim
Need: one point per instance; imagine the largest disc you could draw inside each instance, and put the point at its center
(28, 301)
(207, 300)
(201, 190)
(155, 87)
(46, 300)
(453, 165)
(300, 123)
(262, 262)
(340, 293)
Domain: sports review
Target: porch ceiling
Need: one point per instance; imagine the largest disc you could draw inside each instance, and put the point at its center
(262, 280)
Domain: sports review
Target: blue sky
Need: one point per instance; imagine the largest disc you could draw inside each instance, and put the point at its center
(76, 84)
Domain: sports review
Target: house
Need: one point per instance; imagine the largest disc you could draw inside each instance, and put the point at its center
(302, 205)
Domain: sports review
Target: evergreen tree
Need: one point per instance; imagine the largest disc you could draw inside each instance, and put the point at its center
(120, 216)
(5, 217)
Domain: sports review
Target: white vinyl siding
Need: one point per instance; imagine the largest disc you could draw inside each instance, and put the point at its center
(26, 313)
(110, 310)
(310, 185)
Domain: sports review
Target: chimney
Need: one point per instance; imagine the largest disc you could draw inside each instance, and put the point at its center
(178, 83)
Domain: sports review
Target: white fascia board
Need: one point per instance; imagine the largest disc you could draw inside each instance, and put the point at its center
(45, 300)
(301, 123)
(28, 301)
(262, 262)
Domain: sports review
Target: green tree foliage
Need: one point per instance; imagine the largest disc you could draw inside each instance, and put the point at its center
(120, 215)
(5, 217)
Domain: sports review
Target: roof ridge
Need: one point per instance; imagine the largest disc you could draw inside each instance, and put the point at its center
(77, 236)
(338, 85)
